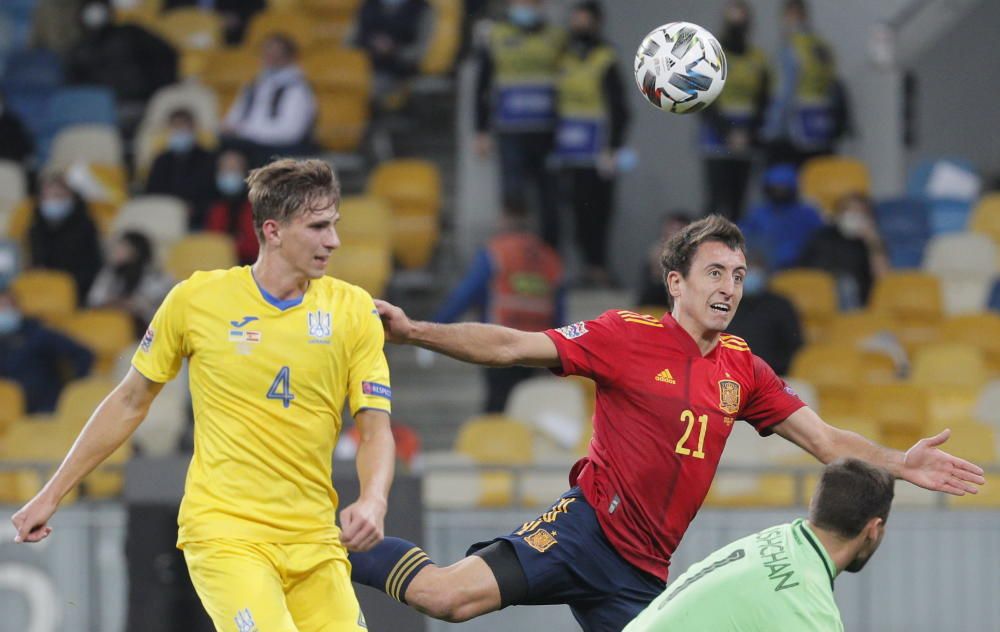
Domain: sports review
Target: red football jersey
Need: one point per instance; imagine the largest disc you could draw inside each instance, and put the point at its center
(662, 417)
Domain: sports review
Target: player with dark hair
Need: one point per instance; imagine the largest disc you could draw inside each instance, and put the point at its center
(781, 579)
(668, 394)
(274, 350)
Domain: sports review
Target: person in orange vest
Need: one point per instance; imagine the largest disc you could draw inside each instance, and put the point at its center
(515, 280)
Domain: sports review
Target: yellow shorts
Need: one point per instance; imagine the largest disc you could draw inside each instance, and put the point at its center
(262, 587)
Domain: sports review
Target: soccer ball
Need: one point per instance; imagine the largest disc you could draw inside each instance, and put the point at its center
(680, 67)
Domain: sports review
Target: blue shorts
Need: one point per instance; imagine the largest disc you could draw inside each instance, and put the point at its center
(567, 560)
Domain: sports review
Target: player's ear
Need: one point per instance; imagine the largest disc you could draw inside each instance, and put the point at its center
(674, 280)
(271, 229)
(873, 529)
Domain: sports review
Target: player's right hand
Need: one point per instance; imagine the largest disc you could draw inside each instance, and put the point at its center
(31, 521)
(396, 323)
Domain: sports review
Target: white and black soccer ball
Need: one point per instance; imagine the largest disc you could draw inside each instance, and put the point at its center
(680, 67)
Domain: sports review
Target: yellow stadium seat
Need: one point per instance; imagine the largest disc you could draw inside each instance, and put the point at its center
(191, 28)
(950, 363)
(850, 328)
(36, 439)
(985, 216)
(495, 440)
(981, 330)
(814, 294)
(19, 486)
(411, 186)
(445, 39)
(837, 371)
(200, 251)
(332, 19)
(19, 220)
(366, 264)
(343, 71)
(828, 178)
(901, 410)
(296, 25)
(744, 491)
(78, 400)
(365, 218)
(987, 498)
(971, 441)
(414, 239)
(109, 333)
(143, 12)
(913, 303)
(949, 402)
(46, 294)
(11, 403)
(227, 70)
(87, 143)
(108, 480)
(342, 121)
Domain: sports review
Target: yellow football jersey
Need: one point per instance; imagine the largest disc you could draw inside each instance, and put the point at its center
(268, 383)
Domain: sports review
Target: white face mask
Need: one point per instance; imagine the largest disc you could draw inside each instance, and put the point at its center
(94, 15)
(852, 223)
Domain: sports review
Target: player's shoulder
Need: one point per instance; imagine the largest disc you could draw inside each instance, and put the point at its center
(214, 283)
(735, 344)
(635, 320)
(333, 290)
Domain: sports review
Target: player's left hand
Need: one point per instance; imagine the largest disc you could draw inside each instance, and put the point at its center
(927, 466)
(362, 524)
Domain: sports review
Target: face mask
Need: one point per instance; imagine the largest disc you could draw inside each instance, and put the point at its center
(181, 141)
(524, 16)
(754, 283)
(55, 211)
(10, 321)
(94, 16)
(229, 182)
(852, 223)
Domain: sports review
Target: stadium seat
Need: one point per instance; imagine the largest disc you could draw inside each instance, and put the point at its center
(854, 327)
(149, 143)
(365, 218)
(949, 216)
(913, 302)
(78, 400)
(200, 251)
(191, 28)
(160, 432)
(988, 405)
(86, 144)
(227, 70)
(49, 295)
(495, 440)
(13, 181)
(952, 178)
(826, 179)
(965, 262)
(901, 410)
(413, 190)
(341, 122)
(162, 218)
(142, 12)
(197, 98)
(340, 71)
(972, 441)
(954, 363)
(805, 390)
(11, 404)
(31, 69)
(365, 264)
(985, 217)
(556, 409)
(332, 20)
(445, 38)
(814, 295)
(296, 25)
(988, 497)
(836, 371)
(82, 104)
(981, 330)
(904, 225)
(35, 439)
(106, 332)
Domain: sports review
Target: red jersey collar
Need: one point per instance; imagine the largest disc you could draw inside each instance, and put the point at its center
(684, 340)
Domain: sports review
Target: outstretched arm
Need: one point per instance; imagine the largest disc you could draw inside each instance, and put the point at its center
(114, 421)
(924, 465)
(490, 345)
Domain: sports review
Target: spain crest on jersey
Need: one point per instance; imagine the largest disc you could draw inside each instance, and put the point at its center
(729, 396)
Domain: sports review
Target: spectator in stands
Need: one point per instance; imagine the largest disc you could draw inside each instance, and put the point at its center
(37, 357)
(185, 169)
(652, 289)
(231, 212)
(730, 128)
(393, 33)
(593, 119)
(275, 113)
(851, 249)
(17, 144)
(520, 107)
(55, 25)
(127, 58)
(766, 320)
(783, 224)
(235, 14)
(131, 280)
(516, 280)
(62, 235)
(810, 112)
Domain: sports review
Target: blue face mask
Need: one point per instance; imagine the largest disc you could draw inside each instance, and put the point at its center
(229, 182)
(10, 321)
(55, 211)
(524, 16)
(754, 282)
(181, 141)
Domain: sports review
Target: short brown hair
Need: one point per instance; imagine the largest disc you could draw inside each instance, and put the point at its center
(850, 493)
(679, 250)
(286, 188)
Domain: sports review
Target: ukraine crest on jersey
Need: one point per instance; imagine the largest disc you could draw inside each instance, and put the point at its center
(268, 383)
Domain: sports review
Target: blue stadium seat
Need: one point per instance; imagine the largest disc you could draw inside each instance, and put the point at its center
(904, 224)
(33, 69)
(920, 176)
(19, 14)
(32, 106)
(949, 216)
(75, 106)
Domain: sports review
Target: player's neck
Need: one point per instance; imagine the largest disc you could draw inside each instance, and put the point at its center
(841, 551)
(704, 338)
(277, 278)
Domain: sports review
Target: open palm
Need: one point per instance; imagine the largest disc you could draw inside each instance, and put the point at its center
(927, 466)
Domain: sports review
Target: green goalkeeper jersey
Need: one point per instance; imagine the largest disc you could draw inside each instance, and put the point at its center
(777, 580)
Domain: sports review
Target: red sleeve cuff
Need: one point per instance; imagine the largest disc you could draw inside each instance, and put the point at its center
(558, 341)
